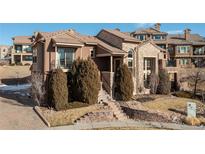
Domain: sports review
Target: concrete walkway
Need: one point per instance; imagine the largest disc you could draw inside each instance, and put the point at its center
(128, 123)
(17, 115)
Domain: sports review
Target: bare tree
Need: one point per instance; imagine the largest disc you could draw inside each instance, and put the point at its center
(153, 83)
(197, 77)
(38, 88)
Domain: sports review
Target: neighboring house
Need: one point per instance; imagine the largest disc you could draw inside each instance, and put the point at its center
(108, 49)
(186, 51)
(5, 51)
(22, 50)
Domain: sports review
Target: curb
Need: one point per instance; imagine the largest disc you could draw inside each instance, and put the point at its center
(38, 111)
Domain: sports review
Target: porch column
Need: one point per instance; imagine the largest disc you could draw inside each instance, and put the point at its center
(156, 65)
(111, 63)
(111, 76)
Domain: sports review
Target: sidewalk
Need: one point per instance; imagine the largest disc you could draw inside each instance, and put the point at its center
(128, 123)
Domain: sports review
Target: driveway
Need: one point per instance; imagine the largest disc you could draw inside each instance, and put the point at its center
(16, 112)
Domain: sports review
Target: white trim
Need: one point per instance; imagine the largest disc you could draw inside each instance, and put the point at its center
(103, 55)
(70, 44)
(91, 43)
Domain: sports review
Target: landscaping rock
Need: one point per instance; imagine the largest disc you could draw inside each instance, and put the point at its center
(193, 121)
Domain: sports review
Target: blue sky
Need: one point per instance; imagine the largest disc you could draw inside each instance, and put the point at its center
(7, 31)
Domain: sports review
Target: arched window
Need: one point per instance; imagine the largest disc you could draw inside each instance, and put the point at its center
(130, 60)
(130, 53)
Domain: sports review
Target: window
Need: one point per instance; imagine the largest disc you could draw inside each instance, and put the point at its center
(92, 53)
(27, 48)
(199, 51)
(130, 59)
(171, 62)
(141, 37)
(27, 58)
(184, 61)
(183, 49)
(65, 57)
(18, 48)
(156, 37)
(34, 59)
(162, 46)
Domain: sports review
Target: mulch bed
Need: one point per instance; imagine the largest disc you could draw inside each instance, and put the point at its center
(145, 115)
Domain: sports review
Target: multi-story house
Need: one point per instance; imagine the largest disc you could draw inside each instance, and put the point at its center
(108, 49)
(22, 50)
(5, 51)
(186, 51)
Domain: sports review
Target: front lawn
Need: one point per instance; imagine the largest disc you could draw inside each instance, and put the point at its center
(177, 103)
(66, 117)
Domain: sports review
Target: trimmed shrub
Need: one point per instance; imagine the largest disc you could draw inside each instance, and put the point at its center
(58, 90)
(85, 81)
(153, 83)
(164, 86)
(124, 86)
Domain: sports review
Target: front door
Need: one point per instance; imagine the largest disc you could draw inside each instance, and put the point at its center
(149, 67)
(117, 63)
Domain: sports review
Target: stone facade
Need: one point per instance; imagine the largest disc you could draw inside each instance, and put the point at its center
(148, 50)
(5, 50)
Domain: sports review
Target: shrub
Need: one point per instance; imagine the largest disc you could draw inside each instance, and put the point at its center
(154, 82)
(12, 64)
(58, 91)
(85, 81)
(19, 63)
(164, 86)
(27, 64)
(123, 83)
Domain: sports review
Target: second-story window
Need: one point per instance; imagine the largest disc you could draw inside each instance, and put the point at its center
(140, 37)
(156, 37)
(183, 49)
(184, 61)
(27, 48)
(199, 51)
(18, 48)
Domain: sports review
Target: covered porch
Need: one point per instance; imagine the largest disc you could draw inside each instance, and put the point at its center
(108, 65)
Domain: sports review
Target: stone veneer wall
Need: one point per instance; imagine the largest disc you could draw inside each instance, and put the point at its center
(126, 47)
(150, 51)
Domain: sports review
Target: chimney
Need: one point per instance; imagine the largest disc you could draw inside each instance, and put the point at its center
(187, 34)
(157, 26)
(71, 31)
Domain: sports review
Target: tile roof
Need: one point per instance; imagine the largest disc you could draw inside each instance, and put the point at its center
(22, 39)
(148, 31)
(194, 39)
(125, 36)
(73, 37)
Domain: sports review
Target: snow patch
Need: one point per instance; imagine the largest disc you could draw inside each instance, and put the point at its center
(4, 87)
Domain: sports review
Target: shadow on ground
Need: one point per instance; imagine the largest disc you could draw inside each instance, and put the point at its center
(21, 100)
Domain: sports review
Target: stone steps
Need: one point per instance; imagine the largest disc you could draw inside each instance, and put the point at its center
(120, 115)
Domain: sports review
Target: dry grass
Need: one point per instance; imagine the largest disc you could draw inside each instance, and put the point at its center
(12, 71)
(67, 117)
(166, 103)
(126, 128)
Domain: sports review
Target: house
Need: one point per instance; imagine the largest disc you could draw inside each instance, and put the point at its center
(186, 51)
(5, 51)
(108, 49)
(22, 50)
